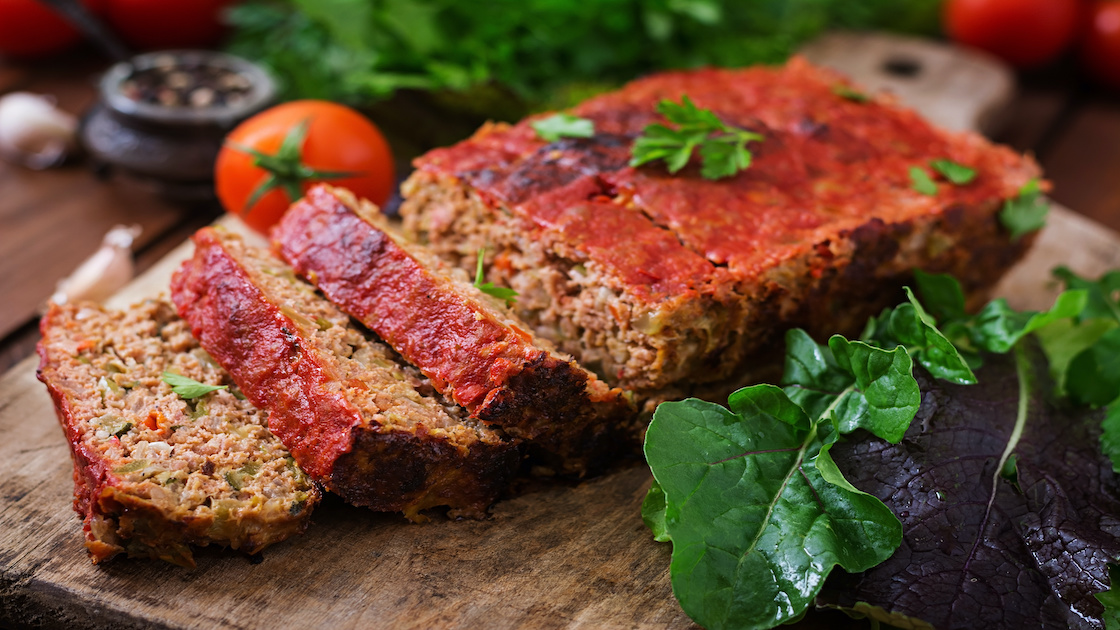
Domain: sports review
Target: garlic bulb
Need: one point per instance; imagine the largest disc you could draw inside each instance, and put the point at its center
(33, 131)
(103, 273)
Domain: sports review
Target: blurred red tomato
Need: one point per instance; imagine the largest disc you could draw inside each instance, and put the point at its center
(1100, 42)
(150, 24)
(1024, 33)
(28, 28)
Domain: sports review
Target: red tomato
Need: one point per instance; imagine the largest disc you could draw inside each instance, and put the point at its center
(1024, 33)
(29, 28)
(1100, 42)
(151, 24)
(338, 139)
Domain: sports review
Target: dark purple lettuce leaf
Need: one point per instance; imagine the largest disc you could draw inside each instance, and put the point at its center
(1025, 547)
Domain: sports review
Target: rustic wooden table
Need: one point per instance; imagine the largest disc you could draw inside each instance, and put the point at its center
(50, 221)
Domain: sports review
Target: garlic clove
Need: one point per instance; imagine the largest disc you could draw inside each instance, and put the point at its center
(33, 131)
(103, 273)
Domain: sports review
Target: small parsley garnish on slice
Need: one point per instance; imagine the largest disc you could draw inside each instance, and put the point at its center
(958, 174)
(848, 93)
(188, 387)
(562, 125)
(723, 148)
(1026, 212)
(921, 182)
(502, 293)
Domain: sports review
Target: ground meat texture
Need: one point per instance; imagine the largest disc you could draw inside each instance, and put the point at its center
(153, 472)
(467, 342)
(356, 417)
(656, 280)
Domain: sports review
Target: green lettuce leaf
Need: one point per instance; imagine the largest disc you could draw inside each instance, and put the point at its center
(755, 525)
(1093, 377)
(1065, 339)
(997, 327)
(941, 294)
(1110, 434)
(653, 512)
(1008, 507)
(913, 327)
(852, 383)
(1110, 599)
(883, 397)
(1104, 293)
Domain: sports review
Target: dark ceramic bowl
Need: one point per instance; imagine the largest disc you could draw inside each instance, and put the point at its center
(172, 146)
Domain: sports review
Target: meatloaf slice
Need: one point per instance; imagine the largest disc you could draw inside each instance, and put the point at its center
(156, 471)
(467, 342)
(655, 279)
(356, 417)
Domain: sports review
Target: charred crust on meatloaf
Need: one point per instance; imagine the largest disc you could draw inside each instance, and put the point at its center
(467, 343)
(821, 230)
(147, 481)
(352, 413)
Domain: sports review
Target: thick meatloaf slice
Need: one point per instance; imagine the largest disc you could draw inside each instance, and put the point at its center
(356, 417)
(654, 279)
(155, 471)
(467, 342)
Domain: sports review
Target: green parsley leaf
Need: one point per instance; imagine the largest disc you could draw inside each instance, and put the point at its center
(921, 181)
(188, 387)
(848, 93)
(723, 148)
(746, 491)
(959, 174)
(502, 293)
(1026, 212)
(563, 125)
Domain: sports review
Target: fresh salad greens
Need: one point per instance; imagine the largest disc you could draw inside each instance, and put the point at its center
(356, 51)
(723, 148)
(762, 499)
(1085, 352)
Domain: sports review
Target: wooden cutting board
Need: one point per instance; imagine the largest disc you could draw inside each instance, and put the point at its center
(559, 556)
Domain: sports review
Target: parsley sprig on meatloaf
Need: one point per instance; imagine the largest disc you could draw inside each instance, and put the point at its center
(723, 148)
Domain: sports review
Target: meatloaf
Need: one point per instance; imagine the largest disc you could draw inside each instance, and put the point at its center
(156, 471)
(652, 279)
(356, 417)
(471, 347)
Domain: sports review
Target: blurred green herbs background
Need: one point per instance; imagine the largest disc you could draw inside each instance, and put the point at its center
(507, 57)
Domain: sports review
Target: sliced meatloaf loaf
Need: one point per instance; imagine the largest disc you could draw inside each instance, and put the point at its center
(652, 279)
(156, 471)
(466, 341)
(356, 417)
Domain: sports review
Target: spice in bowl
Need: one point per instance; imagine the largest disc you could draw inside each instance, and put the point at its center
(171, 82)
